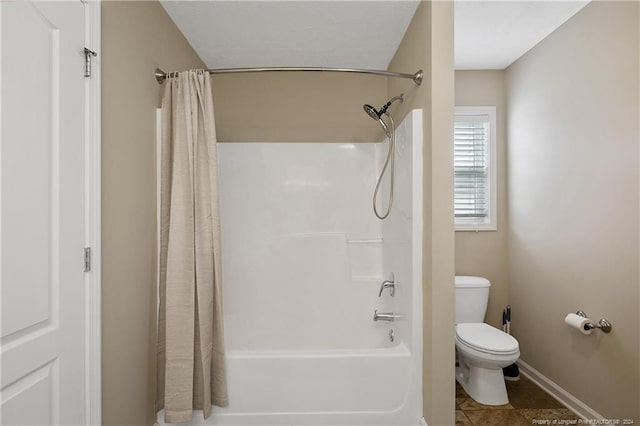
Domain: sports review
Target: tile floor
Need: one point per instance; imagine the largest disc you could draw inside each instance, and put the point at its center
(527, 402)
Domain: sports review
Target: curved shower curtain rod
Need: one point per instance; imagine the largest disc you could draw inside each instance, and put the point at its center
(161, 76)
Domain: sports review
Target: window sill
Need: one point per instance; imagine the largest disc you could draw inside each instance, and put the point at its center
(481, 228)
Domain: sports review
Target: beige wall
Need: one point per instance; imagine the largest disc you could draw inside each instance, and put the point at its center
(137, 37)
(428, 44)
(573, 205)
(485, 253)
(297, 107)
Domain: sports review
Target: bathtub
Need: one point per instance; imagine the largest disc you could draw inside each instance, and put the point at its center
(303, 259)
(329, 382)
(357, 387)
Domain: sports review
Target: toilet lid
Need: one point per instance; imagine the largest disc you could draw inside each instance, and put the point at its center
(485, 338)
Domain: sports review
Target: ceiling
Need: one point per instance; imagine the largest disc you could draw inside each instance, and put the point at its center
(353, 34)
(357, 34)
(494, 34)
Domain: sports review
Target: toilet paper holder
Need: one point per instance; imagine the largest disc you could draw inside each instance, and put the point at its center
(603, 324)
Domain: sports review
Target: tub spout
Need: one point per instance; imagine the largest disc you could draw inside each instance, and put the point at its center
(385, 316)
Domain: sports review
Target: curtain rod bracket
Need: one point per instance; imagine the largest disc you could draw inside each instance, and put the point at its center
(417, 77)
(161, 76)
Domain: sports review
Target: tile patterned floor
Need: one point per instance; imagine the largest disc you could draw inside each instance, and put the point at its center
(527, 402)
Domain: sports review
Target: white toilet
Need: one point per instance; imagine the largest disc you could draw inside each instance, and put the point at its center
(482, 350)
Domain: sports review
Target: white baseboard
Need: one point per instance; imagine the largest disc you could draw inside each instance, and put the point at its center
(423, 422)
(565, 398)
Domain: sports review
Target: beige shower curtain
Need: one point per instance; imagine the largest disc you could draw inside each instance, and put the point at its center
(191, 370)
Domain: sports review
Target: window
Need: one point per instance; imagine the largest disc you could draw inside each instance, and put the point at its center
(475, 169)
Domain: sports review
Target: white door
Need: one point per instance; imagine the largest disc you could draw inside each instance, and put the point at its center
(42, 208)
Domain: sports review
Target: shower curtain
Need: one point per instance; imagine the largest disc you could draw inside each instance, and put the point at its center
(190, 362)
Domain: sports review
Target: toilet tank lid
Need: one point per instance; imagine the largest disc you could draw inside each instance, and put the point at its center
(466, 281)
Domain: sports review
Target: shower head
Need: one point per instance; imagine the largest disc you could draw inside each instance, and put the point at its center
(375, 114)
(371, 111)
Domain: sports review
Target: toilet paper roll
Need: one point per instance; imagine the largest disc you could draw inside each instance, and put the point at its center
(578, 322)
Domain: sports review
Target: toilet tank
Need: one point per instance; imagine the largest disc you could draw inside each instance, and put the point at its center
(472, 296)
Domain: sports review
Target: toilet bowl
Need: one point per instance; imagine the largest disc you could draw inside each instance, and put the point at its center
(482, 350)
(482, 353)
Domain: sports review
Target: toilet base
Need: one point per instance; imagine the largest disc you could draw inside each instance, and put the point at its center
(484, 385)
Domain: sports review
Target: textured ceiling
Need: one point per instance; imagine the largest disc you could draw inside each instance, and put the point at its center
(493, 34)
(356, 34)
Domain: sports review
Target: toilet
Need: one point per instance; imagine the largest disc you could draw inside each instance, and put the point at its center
(482, 350)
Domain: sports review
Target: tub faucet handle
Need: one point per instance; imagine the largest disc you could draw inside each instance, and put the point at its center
(390, 284)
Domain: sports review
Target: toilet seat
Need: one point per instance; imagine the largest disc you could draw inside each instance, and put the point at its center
(486, 339)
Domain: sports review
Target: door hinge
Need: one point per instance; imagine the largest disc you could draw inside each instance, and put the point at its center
(87, 259)
(88, 53)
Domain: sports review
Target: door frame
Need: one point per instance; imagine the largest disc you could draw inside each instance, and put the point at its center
(93, 205)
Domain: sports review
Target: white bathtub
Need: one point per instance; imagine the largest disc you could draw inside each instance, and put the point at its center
(303, 259)
(358, 387)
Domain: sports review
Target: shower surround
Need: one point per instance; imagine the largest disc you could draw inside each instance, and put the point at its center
(303, 259)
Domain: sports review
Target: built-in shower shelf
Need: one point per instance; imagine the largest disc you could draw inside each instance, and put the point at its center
(365, 259)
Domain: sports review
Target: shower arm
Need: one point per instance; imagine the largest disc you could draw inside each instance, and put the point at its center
(386, 106)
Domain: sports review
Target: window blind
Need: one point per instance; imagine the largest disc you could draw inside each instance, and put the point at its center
(472, 167)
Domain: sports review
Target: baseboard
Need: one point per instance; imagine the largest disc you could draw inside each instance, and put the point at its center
(423, 422)
(565, 398)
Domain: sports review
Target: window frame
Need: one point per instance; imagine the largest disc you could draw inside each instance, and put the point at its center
(492, 224)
